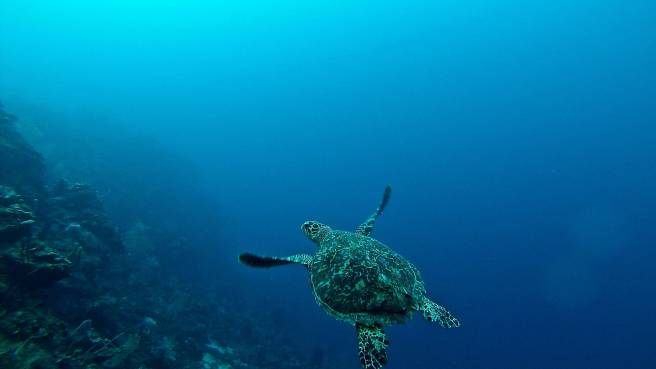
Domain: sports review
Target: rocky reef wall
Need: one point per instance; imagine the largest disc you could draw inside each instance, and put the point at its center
(78, 292)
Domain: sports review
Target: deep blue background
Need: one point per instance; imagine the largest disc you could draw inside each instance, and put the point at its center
(519, 138)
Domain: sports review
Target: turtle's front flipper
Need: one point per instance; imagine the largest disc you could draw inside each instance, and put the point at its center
(368, 226)
(436, 313)
(371, 346)
(268, 262)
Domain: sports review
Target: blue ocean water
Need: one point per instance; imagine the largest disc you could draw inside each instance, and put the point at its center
(519, 139)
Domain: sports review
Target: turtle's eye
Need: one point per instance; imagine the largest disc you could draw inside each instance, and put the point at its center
(311, 229)
(315, 231)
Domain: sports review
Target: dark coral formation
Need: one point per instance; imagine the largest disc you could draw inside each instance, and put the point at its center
(77, 292)
(16, 218)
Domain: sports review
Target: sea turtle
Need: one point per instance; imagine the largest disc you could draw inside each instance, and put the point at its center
(358, 279)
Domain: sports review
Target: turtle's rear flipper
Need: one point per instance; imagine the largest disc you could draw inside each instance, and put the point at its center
(436, 313)
(268, 262)
(371, 346)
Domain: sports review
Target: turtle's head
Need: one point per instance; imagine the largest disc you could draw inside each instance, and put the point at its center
(315, 231)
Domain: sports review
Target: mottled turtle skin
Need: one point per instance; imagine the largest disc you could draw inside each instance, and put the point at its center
(358, 279)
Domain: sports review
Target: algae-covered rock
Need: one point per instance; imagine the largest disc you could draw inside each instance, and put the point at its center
(16, 218)
(29, 336)
(34, 265)
(75, 207)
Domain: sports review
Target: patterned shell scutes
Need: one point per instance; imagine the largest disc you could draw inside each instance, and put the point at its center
(359, 279)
